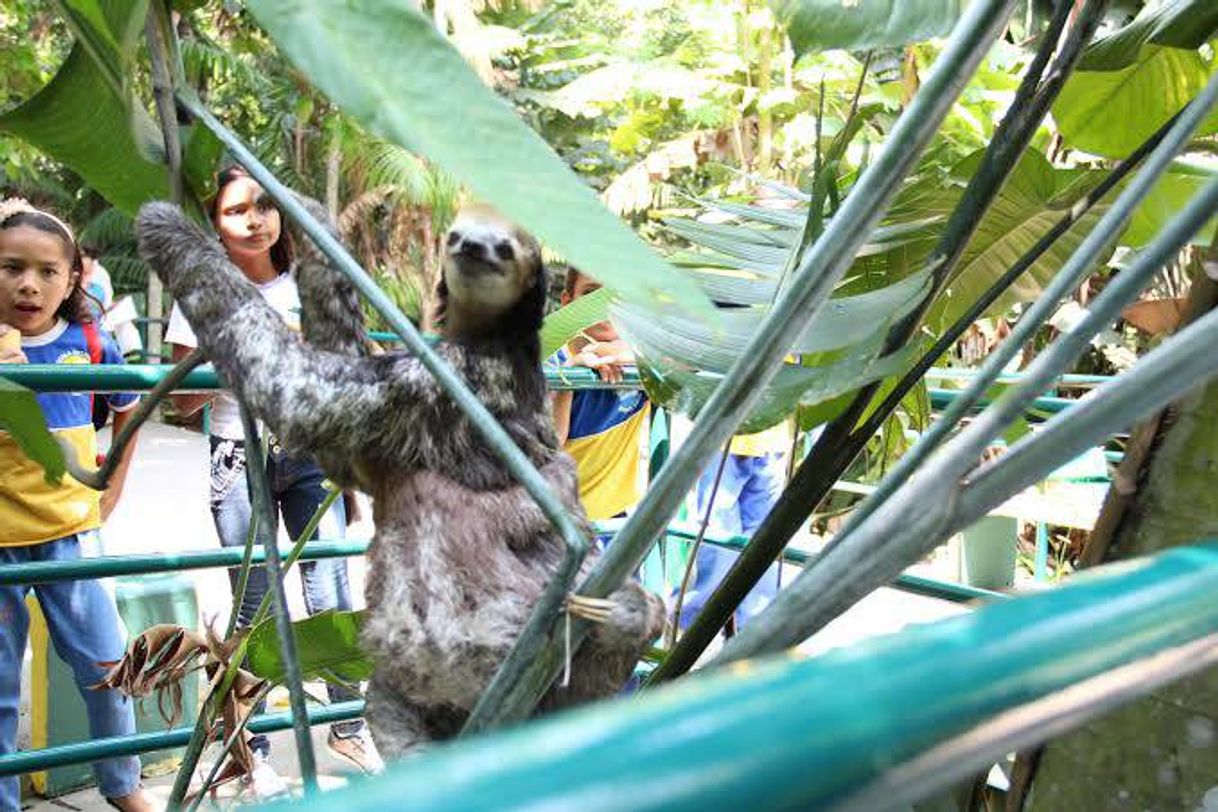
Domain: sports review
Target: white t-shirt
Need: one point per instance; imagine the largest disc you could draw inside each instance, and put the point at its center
(281, 294)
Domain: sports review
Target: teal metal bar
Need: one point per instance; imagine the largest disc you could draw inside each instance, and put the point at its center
(915, 584)
(28, 761)
(142, 377)
(43, 572)
(119, 565)
(940, 398)
(1071, 380)
(1040, 567)
(789, 734)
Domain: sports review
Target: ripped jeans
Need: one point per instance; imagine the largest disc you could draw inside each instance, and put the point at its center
(296, 491)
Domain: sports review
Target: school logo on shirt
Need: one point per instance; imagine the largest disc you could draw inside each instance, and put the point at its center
(73, 357)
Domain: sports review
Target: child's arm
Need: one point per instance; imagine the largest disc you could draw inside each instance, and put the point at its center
(109, 497)
(561, 401)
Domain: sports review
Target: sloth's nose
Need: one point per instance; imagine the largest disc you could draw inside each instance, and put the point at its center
(473, 249)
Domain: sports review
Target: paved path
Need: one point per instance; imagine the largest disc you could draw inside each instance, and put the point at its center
(164, 508)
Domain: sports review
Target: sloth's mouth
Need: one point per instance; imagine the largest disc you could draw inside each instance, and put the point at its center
(473, 266)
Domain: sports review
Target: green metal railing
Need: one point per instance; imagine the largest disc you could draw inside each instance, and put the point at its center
(875, 726)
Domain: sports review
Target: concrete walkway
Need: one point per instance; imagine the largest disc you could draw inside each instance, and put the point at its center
(164, 509)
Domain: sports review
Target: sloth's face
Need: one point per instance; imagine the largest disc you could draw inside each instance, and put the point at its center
(488, 262)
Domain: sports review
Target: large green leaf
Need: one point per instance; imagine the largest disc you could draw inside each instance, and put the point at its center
(816, 25)
(327, 646)
(683, 360)
(1033, 200)
(1187, 24)
(22, 418)
(1111, 112)
(80, 120)
(1166, 199)
(88, 117)
(389, 68)
(570, 320)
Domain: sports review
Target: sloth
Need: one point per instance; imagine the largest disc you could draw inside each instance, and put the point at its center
(461, 551)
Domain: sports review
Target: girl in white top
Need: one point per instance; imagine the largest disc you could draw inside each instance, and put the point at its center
(251, 229)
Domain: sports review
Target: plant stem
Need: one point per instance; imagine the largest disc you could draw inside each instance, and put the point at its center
(255, 467)
(693, 552)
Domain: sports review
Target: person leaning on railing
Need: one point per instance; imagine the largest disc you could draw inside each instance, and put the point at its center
(601, 429)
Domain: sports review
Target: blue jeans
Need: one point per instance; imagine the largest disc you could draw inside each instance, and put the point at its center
(296, 490)
(747, 490)
(85, 629)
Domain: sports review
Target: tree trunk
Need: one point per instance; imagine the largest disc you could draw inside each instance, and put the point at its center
(1160, 753)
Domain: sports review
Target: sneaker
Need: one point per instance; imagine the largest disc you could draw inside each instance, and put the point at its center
(357, 749)
(263, 783)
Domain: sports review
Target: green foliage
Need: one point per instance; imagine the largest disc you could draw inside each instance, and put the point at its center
(817, 25)
(1186, 24)
(391, 70)
(21, 417)
(1110, 112)
(327, 646)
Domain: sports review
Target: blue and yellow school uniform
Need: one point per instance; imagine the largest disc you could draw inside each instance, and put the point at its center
(33, 511)
(605, 439)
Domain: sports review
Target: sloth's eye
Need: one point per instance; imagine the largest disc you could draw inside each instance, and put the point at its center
(453, 238)
(504, 251)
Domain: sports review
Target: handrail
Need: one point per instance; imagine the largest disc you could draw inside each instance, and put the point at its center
(142, 377)
(110, 566)
(808, 734)
(46, 758)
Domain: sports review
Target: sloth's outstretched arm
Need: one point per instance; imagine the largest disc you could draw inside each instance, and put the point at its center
(331, 318)
(308, 398)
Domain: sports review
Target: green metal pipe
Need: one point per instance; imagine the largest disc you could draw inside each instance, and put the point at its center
(43, 572)
(119, 565)
(915, 584)
(789, 734)
(28, 761)
(143, 377)
(1071, 380)
(940, 398)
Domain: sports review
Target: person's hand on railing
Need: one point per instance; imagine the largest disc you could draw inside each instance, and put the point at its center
(606, 358)
(10, 346)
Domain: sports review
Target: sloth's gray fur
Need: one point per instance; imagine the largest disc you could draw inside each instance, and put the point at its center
(461, 552)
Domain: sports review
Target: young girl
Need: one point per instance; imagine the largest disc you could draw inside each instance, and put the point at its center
(41, 300)
(253, 235)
